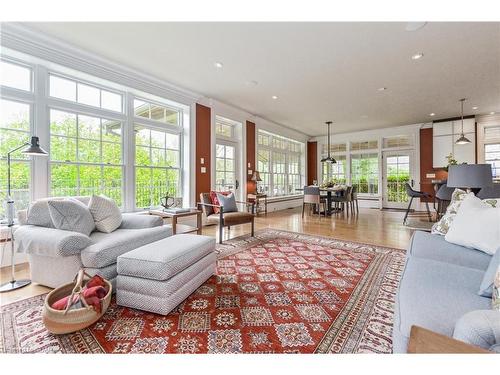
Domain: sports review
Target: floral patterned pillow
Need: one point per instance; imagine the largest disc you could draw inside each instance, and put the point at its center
(442, 226)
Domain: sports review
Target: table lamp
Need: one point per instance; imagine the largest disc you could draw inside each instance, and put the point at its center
(470, 176)
(256, 178)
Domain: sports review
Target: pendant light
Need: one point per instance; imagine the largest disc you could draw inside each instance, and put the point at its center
(462, 140)
(328, 159)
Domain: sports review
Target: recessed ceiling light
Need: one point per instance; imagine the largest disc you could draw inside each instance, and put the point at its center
(382, 89)
(218, 65)
(414, 26)
(492, 113)
(432, 114)
(475, 107)
(252, 83)
(417, 56)
(274, 97)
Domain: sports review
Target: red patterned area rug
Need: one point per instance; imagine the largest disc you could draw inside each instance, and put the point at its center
(279, 292)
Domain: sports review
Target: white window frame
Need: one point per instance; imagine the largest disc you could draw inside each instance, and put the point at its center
(41, 103)
(287, 154)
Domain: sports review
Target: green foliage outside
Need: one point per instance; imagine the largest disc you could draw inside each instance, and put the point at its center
(86, 158)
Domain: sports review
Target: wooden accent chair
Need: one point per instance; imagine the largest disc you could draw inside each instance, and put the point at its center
(226, 219)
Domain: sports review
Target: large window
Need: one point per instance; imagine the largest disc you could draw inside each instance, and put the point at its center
(14, 130)
(158, 164)
(85, 155)
(279, 161)
(492, 156)
(364, 173)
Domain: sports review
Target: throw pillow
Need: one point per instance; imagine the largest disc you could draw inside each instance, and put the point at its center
(476, 225)
(496, 292)
(70, 214)
(38, 213)
(442, 226)
(215, 200)
(107, 215)
(486, 288)
(228, 202)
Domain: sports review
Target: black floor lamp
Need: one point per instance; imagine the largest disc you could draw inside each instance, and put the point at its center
(34, 149)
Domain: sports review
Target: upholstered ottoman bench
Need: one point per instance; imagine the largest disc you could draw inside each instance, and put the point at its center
(159, 276)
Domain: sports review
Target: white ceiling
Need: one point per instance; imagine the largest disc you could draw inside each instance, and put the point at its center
(319, 71)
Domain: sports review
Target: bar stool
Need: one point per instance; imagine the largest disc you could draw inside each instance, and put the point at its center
(416, 194)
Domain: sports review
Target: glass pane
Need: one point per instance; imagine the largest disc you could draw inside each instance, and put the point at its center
(112, 184)
(62, 148)
(158, 158)
(173, 158)
(90, 180)
(229, 152)
(10, 140)
(173, 182)
(89, 151)
(14, 115)
(88, 95)
(142, 187)
(141, 108)
(19, 184)
(111, 153)
(62, 123)
(159, 185)
(157, 139)
(172, 141)
(63, 179)
(111, 130)
(111, 101)
(142, 156)
(89, 127)
(219, 151)
(172, 117)
(15, 76)
(142, 136)
(157, 113)
(62, 88)
(229, 165)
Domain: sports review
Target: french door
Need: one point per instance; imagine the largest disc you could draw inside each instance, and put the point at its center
(226, 167)
(397, 171)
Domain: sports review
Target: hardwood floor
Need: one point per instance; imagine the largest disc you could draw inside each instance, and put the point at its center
(370, 226)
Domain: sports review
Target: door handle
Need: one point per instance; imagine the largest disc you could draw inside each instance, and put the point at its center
(237, 184)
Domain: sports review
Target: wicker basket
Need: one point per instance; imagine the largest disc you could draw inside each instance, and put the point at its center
(68, 321)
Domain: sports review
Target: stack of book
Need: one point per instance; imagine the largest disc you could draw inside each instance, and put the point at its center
(176, 210)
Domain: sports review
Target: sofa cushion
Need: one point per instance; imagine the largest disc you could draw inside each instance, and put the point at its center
(441, 227)
(71, 214)
(434, 247)
(51, 242)
(106, 247)
(107, 215)
(479, 327)
(434, 295)
(138, 221)
(38, 213)
(164, 259)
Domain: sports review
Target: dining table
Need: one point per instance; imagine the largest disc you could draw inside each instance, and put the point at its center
(337, 189)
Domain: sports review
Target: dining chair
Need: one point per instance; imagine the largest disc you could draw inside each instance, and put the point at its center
(313, 198)
(343, 201)
(416, 194)
(354, 199)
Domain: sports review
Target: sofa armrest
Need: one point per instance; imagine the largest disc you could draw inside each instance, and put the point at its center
(137, 221)
(32, 239)
(480, 328)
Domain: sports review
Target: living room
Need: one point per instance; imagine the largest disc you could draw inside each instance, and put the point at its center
(250, 187)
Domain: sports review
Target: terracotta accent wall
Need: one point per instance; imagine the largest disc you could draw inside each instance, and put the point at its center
(251, 162)
(426, 162)
(203, 132)
(312, 162)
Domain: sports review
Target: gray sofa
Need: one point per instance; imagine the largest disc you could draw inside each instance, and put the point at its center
(55, 255)
(439, 291)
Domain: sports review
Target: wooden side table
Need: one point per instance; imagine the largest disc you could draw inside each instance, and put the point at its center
(181, 228)
(424, 341)
(257, 198)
